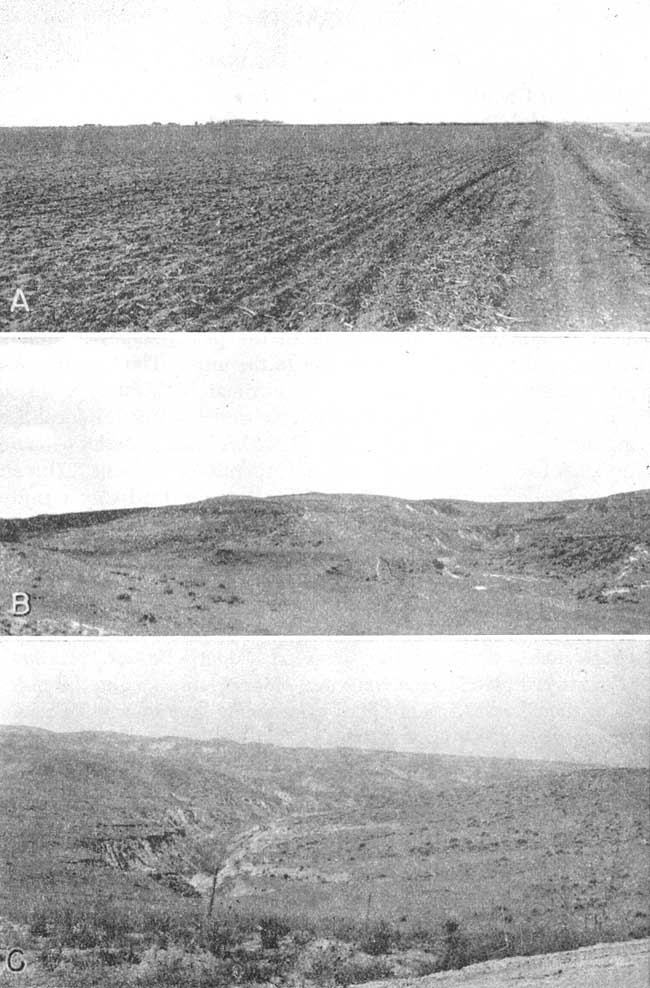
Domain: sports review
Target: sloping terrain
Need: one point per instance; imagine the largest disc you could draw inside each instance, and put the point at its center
(520, 854)
(334, 564)
(275, 227)
(613, 965)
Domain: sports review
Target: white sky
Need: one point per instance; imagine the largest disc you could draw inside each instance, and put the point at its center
(559, 699)
(99, 422)
(135, 61)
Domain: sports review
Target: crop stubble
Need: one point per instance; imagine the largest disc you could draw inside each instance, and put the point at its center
(262, 227)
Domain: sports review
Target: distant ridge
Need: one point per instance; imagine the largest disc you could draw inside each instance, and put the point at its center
(51, 521)
(98, 737)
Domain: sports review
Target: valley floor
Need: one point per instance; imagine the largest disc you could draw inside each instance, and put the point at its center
(334, 564)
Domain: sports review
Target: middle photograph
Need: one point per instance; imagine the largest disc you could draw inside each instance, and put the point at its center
(324, 485)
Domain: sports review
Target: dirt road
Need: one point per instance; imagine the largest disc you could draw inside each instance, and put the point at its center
(611, 965)
(587, 254)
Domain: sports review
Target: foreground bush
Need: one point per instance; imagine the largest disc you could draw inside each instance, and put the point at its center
(456, 953)
(379, 938)
(101, 946)
(176, 966)
(95, 926)
(272, 929)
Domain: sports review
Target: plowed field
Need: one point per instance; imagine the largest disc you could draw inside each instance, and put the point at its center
(273, 227)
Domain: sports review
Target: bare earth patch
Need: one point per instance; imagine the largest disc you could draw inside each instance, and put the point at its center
(611, 965)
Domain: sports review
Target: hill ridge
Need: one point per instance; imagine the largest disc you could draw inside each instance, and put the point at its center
(336, 564)
(110, 514)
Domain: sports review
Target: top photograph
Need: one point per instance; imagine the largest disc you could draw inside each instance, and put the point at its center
(321, 166)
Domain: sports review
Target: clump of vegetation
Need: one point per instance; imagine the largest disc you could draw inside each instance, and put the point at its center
(357, 970)
(50, 957)
(223, 936)
(456, 955)
(175, 966)
(272, 929)
(99, 925)
(38, 922)
(378, 938)
(332, 967)
(100, 943)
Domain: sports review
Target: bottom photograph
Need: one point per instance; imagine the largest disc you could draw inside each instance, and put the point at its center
(319, 812)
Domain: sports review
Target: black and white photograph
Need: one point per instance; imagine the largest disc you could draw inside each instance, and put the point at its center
(225, 484)
(309, 165)
(325, 494)
(326, 812)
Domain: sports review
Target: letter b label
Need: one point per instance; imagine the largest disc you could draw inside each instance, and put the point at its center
(21, 605)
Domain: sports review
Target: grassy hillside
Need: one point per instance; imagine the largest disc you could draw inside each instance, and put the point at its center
(388, 858)
(336, 564)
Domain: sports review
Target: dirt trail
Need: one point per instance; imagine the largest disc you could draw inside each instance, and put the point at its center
(611, 965)
(587, 245)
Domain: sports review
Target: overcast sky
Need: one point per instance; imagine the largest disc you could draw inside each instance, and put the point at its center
(115, 61)
(91, 423)
(558, 699)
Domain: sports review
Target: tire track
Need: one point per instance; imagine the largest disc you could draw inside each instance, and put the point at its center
(586, 259)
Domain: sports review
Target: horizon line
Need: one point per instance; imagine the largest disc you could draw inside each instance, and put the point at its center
(30, 728)
(325, 494)
(251, 121)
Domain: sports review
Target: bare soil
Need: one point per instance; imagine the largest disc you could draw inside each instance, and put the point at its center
(271, 227)
(612, 965)
(589, 248)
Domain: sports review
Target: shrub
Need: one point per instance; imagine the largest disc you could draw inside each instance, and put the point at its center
(178, 966)
(258, 970)
(427, 965)
(378, 938)
(423, 937)
(96, 925)
(455, 955)
(272, 929)
(223, 936)
(323, 967)
(336, 964)
(50, 957)
(341, 928)
(38, 925)
(357, 970)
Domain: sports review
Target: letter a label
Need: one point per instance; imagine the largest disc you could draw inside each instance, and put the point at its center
(19, 302)
(21, 604)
